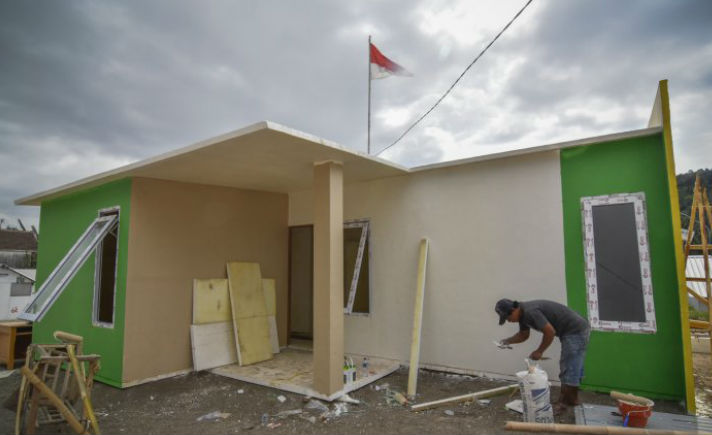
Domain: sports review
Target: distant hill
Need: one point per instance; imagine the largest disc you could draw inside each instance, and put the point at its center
(685, 186)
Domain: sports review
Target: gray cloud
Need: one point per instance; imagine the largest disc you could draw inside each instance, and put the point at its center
(87, 86)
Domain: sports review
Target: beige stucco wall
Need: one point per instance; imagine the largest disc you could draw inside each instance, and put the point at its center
(495, 230)
(184, 231)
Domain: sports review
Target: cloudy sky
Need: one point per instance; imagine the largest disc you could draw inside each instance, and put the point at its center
(86, 86)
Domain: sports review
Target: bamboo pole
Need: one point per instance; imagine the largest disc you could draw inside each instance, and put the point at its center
(56, 401)
(602, 430)
(691, 225)
(81, 383)
(695, 295)
(705, 207)
(700, 324)
(466, 397)
(23, 389)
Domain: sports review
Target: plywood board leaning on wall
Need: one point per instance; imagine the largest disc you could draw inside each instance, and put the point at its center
(249, 313)
(211, 301)
(213, 345)
(270, 292)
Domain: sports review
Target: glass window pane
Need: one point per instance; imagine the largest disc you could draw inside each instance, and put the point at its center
(67, 268)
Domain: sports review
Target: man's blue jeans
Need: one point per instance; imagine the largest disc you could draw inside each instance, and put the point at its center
(573, 353)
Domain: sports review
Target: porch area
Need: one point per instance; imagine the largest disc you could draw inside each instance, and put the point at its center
(293, 370)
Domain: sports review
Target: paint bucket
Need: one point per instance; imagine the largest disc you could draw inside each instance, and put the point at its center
(634, 414)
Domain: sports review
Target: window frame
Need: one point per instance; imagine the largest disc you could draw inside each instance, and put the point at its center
(70, 273)
(365, 225)
(109, 211)
(649, 326)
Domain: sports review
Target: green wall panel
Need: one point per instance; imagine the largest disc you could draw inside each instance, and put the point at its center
(62, 221)
(648, 364)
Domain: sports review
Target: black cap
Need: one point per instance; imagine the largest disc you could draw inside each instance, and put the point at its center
(504, 308)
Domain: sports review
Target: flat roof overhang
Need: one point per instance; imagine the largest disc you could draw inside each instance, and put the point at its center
(271, 157)
(264, 156)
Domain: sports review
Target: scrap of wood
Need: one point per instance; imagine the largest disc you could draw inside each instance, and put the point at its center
(417, 320)
(466, 397)
(631, 398)
(603, 430)
(249, 313)
(213, 345)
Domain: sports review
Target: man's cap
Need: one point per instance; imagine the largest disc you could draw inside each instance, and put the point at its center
(504, 308)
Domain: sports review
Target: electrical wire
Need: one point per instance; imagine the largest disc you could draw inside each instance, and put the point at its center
(458, 79)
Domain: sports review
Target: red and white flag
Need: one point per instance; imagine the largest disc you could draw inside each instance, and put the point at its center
(382, 67)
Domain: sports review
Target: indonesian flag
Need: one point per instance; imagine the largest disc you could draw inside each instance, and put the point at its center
(382, 67)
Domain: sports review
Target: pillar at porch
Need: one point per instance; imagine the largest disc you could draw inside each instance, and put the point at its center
(328, 277)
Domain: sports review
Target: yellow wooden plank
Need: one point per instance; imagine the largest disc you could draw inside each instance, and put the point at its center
(255, 345)
(664, 106)
(269, 289)
(249, 312)
(417, 319)
(211, 301)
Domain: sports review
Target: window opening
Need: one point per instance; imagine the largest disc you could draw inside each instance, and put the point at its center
(617, 256)
(60, 277)
(356, 270)
(105, 272)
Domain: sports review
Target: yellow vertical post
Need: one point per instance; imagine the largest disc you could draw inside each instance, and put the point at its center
(417, 320)
(662, 112)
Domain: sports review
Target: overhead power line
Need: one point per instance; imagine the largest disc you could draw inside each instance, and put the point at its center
(458, 79)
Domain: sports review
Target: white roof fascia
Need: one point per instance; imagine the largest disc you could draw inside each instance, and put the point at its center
(556, 146)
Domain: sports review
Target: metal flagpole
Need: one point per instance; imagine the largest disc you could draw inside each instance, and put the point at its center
(368, 140)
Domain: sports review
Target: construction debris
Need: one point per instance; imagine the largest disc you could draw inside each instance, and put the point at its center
(316, 405)
(215, 415)
(283, 414)
(281, 399)
(449, 412)
(394, 397)
(516, 406)
(348, 399)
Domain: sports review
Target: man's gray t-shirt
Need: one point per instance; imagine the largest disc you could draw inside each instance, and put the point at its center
(536, 314)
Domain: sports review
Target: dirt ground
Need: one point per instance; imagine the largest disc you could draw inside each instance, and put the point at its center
(174, 406)
(702, 363)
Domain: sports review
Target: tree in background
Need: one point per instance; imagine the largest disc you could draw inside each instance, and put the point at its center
(685, 187)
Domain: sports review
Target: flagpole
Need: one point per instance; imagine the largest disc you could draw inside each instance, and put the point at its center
(368, 140)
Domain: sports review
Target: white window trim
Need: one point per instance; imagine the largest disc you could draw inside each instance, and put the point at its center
(638, 201)
(364, 225)
(57, 290)
(97, 271)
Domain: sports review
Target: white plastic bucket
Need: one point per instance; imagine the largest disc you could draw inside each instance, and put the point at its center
(534, 386)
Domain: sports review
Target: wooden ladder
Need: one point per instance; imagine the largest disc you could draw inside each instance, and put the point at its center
(701, 212)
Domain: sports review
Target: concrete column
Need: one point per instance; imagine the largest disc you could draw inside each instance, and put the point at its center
(328, 277)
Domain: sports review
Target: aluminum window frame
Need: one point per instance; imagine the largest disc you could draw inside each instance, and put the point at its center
(364, 224)
(98, 269)
(649, 326)
(70, 273)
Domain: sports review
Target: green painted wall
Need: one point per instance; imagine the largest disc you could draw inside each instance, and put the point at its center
(62, 221)
(648, 364)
